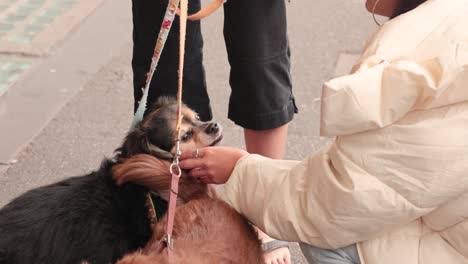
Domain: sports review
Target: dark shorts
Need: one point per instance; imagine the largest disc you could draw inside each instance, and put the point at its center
(258, 52)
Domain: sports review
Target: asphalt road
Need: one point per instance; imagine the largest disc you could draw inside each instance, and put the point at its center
(93, 111)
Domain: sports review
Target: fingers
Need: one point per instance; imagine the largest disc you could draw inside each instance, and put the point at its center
(197, 153)
(191, 164)
(198, 173)
(192, 159)
(201, 174)
(217, 163)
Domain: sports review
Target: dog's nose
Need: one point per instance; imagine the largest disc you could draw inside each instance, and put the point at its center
(212, 128)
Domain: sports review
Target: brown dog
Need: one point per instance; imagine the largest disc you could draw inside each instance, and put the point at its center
(206, 230)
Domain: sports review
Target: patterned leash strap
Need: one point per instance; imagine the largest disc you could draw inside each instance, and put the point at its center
(162, 37)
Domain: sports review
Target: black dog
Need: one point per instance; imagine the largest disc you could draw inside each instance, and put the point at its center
(91, 218)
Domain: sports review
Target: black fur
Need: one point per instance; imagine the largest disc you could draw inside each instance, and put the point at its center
(153, 137)
(84, 218)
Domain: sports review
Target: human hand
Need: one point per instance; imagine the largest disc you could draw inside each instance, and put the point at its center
(213, 165)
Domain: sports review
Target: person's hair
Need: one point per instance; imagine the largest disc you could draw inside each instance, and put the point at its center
(406, 6)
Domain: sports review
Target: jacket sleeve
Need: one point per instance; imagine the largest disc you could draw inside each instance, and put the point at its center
(352, 190)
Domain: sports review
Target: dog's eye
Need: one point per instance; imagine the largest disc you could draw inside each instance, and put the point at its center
(187, 136)
(197, 117)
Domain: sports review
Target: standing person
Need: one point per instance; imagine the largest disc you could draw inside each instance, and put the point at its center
(261, 98)
(392, 187)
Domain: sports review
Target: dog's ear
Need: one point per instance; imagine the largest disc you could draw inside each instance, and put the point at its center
(136, 142)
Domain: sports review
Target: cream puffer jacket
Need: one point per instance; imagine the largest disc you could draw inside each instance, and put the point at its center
(395, 180)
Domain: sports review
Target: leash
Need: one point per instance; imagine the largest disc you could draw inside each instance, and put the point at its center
(138, 117)
(174, 169)
(162, 37)
(169, 16)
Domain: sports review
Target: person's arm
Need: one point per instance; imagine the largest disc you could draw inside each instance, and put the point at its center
(335, 198)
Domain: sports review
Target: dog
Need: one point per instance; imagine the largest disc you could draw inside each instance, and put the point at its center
(98, 217)
(206, 230)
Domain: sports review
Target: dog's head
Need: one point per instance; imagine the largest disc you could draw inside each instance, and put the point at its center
(156, 135)
(144, 156)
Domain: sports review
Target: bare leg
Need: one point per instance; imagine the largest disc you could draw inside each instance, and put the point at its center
(269, 143)
(261, 82)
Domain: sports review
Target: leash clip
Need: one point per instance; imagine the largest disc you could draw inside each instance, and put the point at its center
(167, 240)
(174, 169)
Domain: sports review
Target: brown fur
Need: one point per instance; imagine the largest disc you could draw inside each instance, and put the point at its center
(206, 230)
(153, 173)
